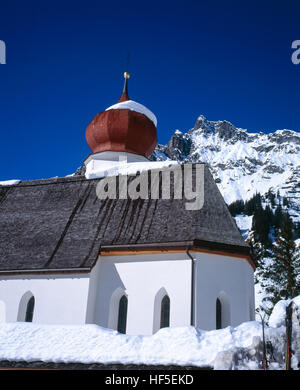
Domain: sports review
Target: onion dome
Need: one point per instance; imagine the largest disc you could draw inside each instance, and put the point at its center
(124, 127)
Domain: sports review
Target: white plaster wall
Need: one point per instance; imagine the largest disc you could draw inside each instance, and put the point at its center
(141, 277)
(58, 300)
(79, 299)
(2, 312)
(215, 274)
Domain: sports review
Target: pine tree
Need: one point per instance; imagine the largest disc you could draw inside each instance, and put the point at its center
(278, 216)
(236, 207)
(258, 254)
(278, 195)
(297, 230)
(285, 202)
(261, 225)
(281, 278)
(271, 197)
(253, 204)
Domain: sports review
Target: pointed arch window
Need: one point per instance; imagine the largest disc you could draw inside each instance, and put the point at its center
(29, 310)
(223, 316)
(122, 315)
(218, 314)
(165, 312)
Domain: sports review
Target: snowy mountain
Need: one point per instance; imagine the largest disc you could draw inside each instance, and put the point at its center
(241, 162)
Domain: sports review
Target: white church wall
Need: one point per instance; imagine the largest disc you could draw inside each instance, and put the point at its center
(228, 278)
(58, 299)
(92, 294)
(140, 277)
(145, 279)
(2, 312)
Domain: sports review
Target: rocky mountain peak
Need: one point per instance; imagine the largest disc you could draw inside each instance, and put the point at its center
(223, 129)
(179, 146)
(242, 163)
(285, 136)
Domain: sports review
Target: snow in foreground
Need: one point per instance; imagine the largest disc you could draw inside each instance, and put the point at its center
(230, 348)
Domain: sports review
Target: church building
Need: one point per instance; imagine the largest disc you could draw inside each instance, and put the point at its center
(133, 264)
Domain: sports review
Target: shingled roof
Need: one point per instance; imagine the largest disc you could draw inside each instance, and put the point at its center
(60, 224)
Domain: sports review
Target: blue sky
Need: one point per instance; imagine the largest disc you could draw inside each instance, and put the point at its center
(65, 62)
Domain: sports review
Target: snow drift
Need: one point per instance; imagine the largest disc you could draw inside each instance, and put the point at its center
(237, 348)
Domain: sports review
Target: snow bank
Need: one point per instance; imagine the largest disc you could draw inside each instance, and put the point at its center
(92, 343)
(277, 317)
(237, 348)
(244, 223)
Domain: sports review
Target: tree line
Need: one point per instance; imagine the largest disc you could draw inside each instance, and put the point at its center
(272, 241)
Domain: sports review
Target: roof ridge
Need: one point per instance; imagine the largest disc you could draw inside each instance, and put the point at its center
(56, 180)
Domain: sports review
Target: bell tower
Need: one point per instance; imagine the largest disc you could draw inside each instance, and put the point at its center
(124, 131)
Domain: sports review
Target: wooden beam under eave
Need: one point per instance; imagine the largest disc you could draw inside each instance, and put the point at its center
(153, 251)
(140, 252)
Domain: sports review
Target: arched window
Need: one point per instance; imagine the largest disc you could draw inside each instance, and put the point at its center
(223, 317)
(122, 315)
(29, 310)
(26, 307)
(161, 312)
(218, 314)
(165, 312)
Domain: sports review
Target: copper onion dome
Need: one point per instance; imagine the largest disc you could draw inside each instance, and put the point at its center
(124, 127)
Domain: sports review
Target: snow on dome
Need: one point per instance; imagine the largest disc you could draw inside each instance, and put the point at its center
(134, 106)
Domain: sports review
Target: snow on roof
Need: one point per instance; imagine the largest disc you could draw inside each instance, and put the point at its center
(95, 170)
(134, 106)
(9, 182)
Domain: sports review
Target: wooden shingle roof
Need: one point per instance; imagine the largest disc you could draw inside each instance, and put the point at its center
(59, 224)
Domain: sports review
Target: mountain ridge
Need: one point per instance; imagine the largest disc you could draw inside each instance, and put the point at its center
(242, 162)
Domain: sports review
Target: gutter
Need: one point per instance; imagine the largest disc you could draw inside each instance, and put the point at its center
(192, 287)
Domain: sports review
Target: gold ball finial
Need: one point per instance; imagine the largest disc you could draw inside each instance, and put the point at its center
(126, 75)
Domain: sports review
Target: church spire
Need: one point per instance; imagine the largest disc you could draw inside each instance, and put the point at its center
(124, 95)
